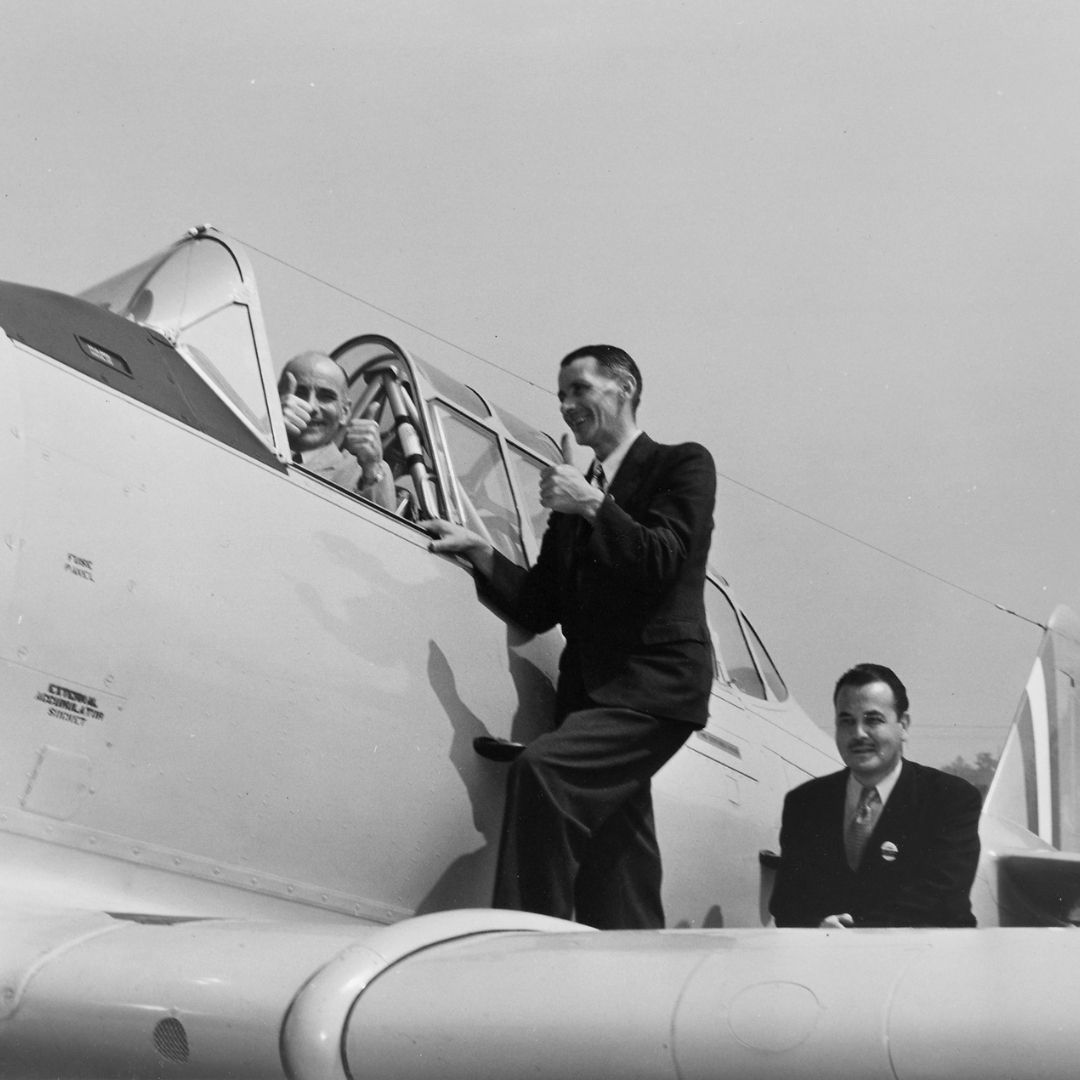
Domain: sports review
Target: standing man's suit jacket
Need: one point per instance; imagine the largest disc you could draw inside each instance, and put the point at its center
(917, 868)
(628, 589)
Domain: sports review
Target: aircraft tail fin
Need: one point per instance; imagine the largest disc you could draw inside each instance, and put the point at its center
(1036, 786)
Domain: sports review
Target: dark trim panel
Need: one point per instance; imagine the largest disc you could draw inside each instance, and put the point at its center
(129, 359)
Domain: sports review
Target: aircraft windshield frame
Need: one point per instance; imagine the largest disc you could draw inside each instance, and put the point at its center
(200, 295)
(465, 458)
(383, 386)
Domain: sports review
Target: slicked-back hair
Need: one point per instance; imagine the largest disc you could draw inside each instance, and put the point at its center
(864, 674)
(613, 361)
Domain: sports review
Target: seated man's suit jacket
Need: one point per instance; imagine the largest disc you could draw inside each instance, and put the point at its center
(628, 589)
(918, 865)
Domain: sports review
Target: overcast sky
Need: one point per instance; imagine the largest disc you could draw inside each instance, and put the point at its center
(841, 239)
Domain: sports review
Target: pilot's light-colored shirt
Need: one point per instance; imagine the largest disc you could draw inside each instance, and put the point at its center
(334, 464)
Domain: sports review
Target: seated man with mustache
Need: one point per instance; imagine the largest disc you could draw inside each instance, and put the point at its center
(884, 842)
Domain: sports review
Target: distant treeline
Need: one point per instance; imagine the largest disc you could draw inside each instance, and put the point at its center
(980, 774)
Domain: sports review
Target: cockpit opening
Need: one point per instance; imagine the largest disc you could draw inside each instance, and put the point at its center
(450, 452)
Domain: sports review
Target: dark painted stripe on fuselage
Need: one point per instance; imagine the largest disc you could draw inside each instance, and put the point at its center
(1027, 755)
(91, 340)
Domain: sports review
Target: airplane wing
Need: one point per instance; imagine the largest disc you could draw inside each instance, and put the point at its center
(90, 995)
(486, 995)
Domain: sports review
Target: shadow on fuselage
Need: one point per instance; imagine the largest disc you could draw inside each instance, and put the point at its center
(467, 881)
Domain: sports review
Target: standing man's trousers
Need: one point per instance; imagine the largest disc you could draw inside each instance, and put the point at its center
(578, 838)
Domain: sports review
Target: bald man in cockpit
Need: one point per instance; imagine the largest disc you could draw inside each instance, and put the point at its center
(315, 404)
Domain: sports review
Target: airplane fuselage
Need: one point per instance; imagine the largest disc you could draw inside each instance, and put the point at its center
(232, 687)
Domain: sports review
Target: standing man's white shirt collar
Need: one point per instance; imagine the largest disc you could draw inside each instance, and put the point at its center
(884, 788)
(612, 462)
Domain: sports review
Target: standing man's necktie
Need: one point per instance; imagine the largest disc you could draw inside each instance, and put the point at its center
(596, 476)
(861, 826)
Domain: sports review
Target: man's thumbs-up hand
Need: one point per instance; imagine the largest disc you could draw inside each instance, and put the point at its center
(564, 488)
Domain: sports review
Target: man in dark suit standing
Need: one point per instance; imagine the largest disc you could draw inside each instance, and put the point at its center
(884, 842)
(622, 570)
